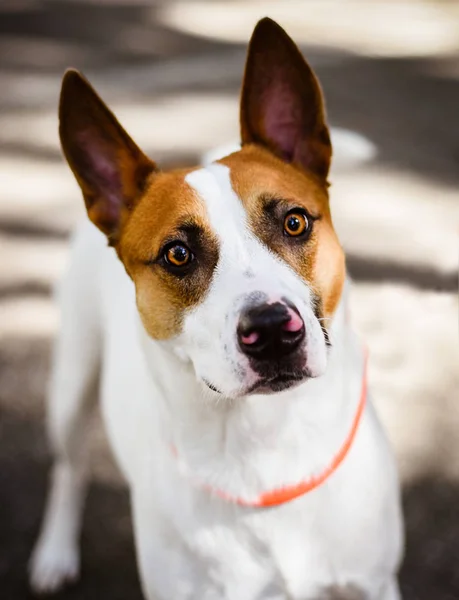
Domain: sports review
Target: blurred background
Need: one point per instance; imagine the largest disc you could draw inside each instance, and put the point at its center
(171, 70)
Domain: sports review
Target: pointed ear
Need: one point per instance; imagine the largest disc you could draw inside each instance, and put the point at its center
(110, 169)
(281, 104)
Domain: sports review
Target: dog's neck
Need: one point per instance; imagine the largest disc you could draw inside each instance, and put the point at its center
(252, 444)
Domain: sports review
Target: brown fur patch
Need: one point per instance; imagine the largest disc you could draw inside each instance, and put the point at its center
(168, 211)
(259, 178)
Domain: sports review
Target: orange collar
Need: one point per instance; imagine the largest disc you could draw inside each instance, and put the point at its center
(288, 493)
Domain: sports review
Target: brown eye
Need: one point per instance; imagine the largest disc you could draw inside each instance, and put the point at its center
(178, 255)
(295, 224)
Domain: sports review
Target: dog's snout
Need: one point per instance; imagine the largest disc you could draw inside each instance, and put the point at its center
(270, 331)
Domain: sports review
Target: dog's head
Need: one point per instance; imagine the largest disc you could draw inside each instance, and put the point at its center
(236, 264)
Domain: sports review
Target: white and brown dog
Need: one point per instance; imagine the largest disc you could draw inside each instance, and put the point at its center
(233, 390)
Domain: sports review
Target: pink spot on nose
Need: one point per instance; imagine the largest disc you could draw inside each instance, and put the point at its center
(295, 323)
(250, 339)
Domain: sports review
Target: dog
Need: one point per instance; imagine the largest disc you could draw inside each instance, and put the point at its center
(233, 390)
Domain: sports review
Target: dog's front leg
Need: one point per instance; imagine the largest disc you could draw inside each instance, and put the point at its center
(166, 569)
(73, 393)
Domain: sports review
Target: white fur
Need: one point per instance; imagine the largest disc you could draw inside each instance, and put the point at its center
(191, 544)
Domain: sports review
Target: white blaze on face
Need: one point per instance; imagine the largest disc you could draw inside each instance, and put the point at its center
(247, 271)
(225, 211)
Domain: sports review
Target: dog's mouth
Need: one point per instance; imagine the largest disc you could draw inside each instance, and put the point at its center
(211, 386)
(271, 385)
(278, 383)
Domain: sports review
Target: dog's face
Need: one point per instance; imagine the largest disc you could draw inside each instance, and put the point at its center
(236, 264)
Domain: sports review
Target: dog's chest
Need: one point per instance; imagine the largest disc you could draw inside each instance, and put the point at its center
(283, 552)
(313, 548)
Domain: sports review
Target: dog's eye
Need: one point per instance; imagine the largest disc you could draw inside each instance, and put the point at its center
(178, 255)
(295, 224)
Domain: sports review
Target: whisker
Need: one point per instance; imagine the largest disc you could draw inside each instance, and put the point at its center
(326, 335)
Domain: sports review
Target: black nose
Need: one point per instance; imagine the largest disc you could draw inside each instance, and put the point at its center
(270, 331)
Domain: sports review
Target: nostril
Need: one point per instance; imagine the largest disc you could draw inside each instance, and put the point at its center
(250, 338)
(294, 324)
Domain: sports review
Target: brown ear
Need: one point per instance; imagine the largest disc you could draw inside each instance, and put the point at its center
(281, 104)
(110, 169)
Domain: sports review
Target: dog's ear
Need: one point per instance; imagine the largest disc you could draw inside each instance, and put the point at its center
(110, 169)
(281, 103)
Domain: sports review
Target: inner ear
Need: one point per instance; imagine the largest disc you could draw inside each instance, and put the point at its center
(282, 107)
(109, 167)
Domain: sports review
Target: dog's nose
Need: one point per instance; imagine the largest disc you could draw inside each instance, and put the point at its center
(270, 331)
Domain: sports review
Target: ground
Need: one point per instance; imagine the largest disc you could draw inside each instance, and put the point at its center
(172, 70)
